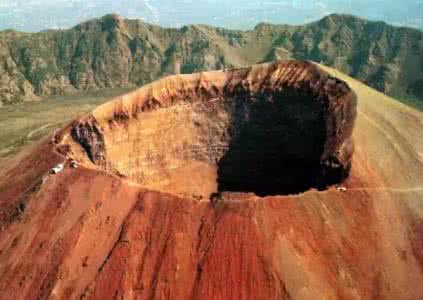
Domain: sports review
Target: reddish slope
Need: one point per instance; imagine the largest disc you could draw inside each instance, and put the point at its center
(89, 233)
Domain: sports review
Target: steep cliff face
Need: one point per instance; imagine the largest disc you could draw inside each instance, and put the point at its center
(101, 231)
(114, 52)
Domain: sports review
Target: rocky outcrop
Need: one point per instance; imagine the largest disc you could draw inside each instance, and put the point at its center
(114, 52)
(90, 137)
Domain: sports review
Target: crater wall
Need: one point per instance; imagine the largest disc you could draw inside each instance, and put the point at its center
(271, 129)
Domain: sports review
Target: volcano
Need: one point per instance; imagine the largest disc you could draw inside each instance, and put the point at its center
(286, 180)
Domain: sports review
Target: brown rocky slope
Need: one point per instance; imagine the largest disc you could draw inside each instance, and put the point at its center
(135, 219)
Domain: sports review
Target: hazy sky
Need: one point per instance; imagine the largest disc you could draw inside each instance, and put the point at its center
(36, 15)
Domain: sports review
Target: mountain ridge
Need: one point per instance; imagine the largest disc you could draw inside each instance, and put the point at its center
(112, 51)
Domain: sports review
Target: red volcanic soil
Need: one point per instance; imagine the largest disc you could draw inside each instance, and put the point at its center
(222, 185)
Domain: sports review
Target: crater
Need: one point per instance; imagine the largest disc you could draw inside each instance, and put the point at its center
(271, 129)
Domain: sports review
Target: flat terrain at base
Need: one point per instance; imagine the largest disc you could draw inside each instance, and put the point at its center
(23, 124)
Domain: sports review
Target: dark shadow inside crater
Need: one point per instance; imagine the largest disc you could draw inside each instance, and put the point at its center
(276, 146)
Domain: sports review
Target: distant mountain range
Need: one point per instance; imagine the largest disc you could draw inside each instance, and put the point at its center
(37, 15)
(116, 52)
